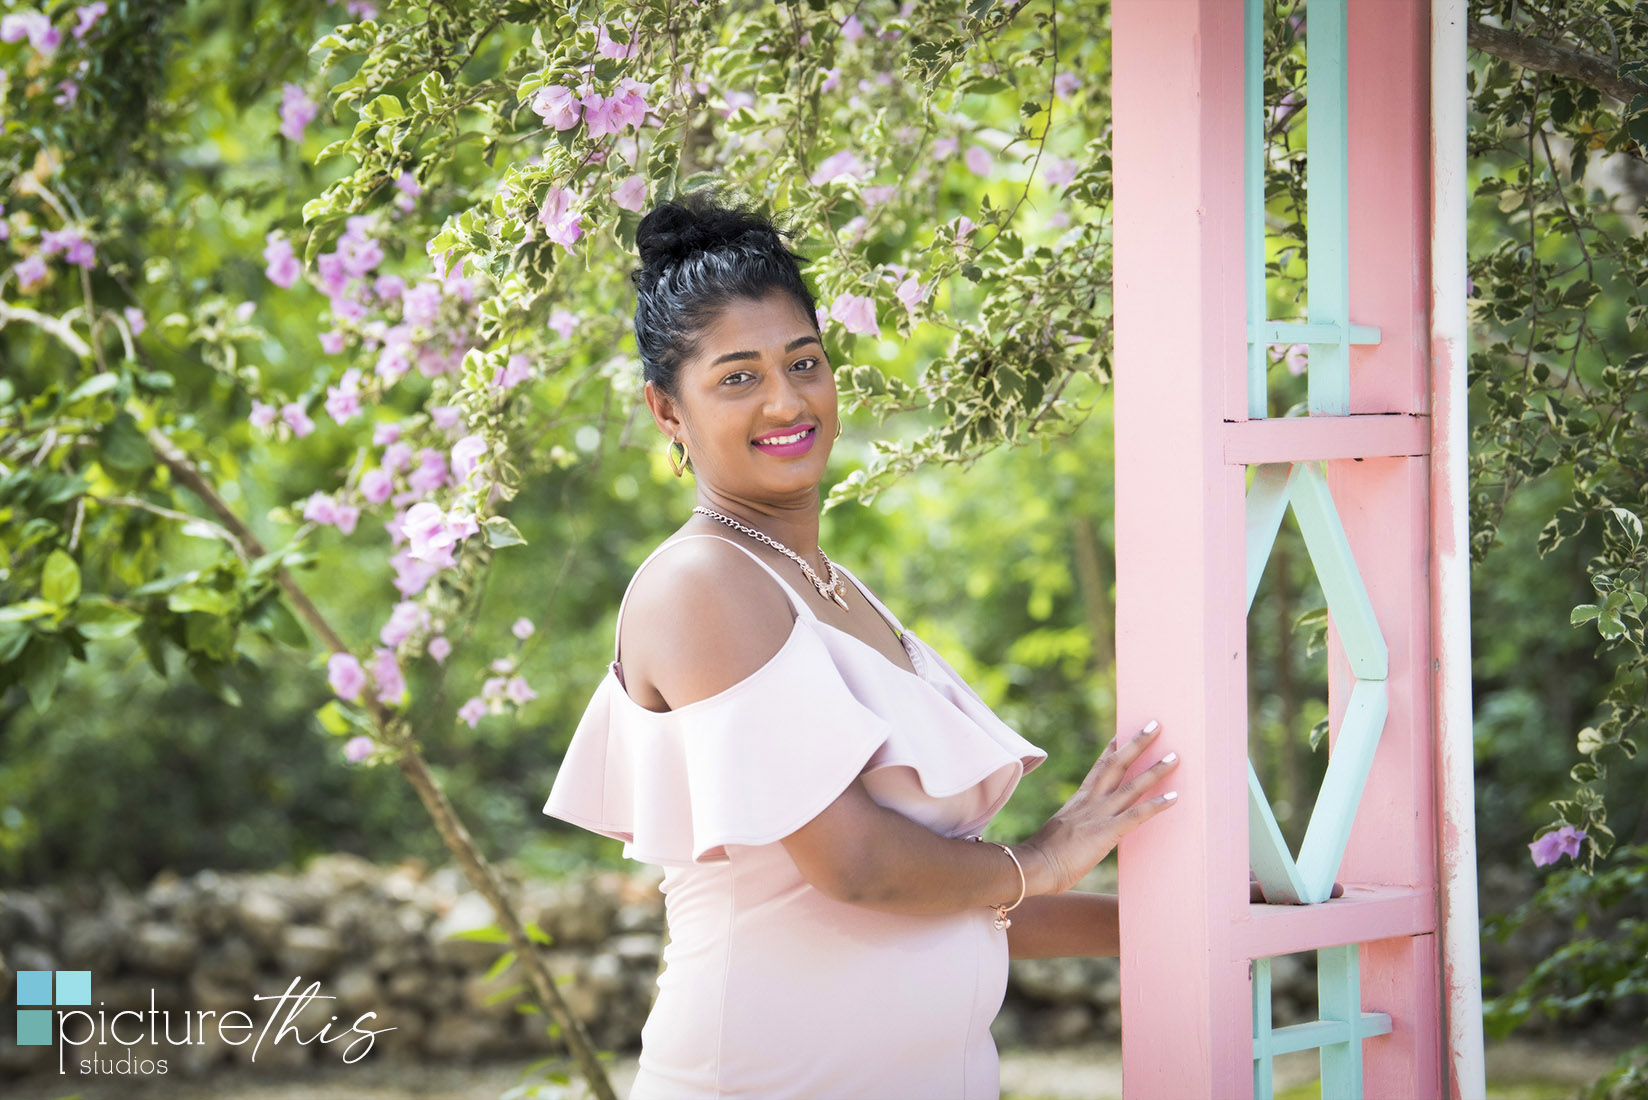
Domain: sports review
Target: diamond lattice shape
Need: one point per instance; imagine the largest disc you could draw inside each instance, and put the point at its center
(1309, 878)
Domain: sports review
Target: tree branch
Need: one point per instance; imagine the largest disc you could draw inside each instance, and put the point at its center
(1555, 59)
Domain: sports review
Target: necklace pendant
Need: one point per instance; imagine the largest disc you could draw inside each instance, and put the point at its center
(839, 599)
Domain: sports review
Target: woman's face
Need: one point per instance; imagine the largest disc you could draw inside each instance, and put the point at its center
(760, 371)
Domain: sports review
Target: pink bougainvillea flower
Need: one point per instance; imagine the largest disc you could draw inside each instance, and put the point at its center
(396, 455)
(389, 288)
(376, 486)
(473, 711)
(331, 342)
(34, 26)
(324, 509)
(359, 252)
(832, 80)
(466, 456)
(1060, 171)
(838, 166)
(135, 320)
(387, 672)
(563, 322)
(601, 115)
(345, 675)
(945, 147)
(504, 666)
(431, 535)
(607, 47)
(523, 628)
(517, 370)
(1058, 219)
(856, 312)
(632, 193)
(629, 103)
(283, 268)
(445, 417)
(30, 272)
(733, 101)
(517, 691)
(297, 111)
(557, 106)
(421, 304)
(878, 194)
(911, 293)
(357, 749)
(440, 649)
(493, 686)
(407, 184)
(67, 92)
(392, 363)
(1298, 358)
(262, 416)
(852, 29)
(411, 576)
(361, 9)
(297, 419)
(343, 400)
(1556, 844)
(1065, 85)
(431, 473)
(562, 223)
(385, 434)
(406, 619)
(820, 315)
(964, 226)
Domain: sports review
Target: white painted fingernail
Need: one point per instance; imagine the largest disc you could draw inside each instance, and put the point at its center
(1151, 728)
(1170, 796)
(1170, 757)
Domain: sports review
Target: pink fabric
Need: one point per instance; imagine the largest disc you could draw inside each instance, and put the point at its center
(772, 989)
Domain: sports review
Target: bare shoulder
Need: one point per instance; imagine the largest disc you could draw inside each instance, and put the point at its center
(701, 617)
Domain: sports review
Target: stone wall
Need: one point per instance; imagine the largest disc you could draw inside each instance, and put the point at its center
(381, 939)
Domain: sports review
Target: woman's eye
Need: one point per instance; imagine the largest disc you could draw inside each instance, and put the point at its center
(810, 360)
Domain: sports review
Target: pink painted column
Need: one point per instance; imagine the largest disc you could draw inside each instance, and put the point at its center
(1180, 615)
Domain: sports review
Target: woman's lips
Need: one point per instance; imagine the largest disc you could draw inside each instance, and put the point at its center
(799, 447)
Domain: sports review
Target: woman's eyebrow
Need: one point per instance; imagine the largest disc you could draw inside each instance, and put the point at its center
(799, 341)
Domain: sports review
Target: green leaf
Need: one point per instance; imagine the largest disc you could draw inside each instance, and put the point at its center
(505, 961)
(60, 579)
(103, 620)
(28, 609)
(332, 719)
(123, 445)
(208, 600)
(500, 532)
(91, 387)
(1590, 741)
(272, 617)
(1584, 613)
(43, 664)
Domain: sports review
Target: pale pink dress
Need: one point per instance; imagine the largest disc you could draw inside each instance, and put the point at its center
(770, 988)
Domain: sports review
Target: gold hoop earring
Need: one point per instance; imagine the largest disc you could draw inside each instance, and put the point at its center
(678, 467)
(838, 427)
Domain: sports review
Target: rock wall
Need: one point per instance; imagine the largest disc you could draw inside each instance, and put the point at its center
(392, 940)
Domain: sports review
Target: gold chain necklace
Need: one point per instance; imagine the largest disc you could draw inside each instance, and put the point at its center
(830, 590)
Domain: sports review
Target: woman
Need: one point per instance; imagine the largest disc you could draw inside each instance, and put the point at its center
(811, 775)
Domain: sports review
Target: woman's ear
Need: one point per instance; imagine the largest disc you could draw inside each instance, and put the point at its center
(665, 413)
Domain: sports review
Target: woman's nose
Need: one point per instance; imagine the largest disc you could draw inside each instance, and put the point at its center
(784, 398)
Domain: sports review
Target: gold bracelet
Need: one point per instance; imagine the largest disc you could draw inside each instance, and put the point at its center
(1001, 921)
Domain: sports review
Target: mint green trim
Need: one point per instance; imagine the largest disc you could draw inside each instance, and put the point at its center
(1253, 178)
(1327, 201)
(1335, 565)
(1267, 501)
(1264, 1035)
(1295, 332)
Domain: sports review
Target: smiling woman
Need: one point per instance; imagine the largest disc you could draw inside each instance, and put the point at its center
(808, 772)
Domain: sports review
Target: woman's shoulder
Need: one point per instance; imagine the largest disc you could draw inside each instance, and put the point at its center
(701, 616)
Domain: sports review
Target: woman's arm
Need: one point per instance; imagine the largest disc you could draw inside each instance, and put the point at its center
(1058, 926)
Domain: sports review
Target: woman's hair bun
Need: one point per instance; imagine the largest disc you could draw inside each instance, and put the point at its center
(699, 221)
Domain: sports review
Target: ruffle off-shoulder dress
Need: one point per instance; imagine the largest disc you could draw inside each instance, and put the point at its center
(770, 988)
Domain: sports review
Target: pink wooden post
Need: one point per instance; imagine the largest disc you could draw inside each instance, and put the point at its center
(1183, 437)
(1181, 351)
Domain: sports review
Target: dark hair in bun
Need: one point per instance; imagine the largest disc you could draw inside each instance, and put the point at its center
(700, 252)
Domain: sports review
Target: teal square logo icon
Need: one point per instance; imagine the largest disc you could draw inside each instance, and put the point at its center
(36, 988)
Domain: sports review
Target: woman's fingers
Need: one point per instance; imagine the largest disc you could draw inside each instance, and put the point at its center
(1116, 758)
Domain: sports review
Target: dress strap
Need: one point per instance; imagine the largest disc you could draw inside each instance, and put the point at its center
(795, 599)
(886, 613)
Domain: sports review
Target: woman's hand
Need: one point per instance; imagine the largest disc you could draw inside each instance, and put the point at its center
(1101, 811)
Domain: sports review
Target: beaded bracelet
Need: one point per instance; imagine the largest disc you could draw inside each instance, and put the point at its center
(1001, 910)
